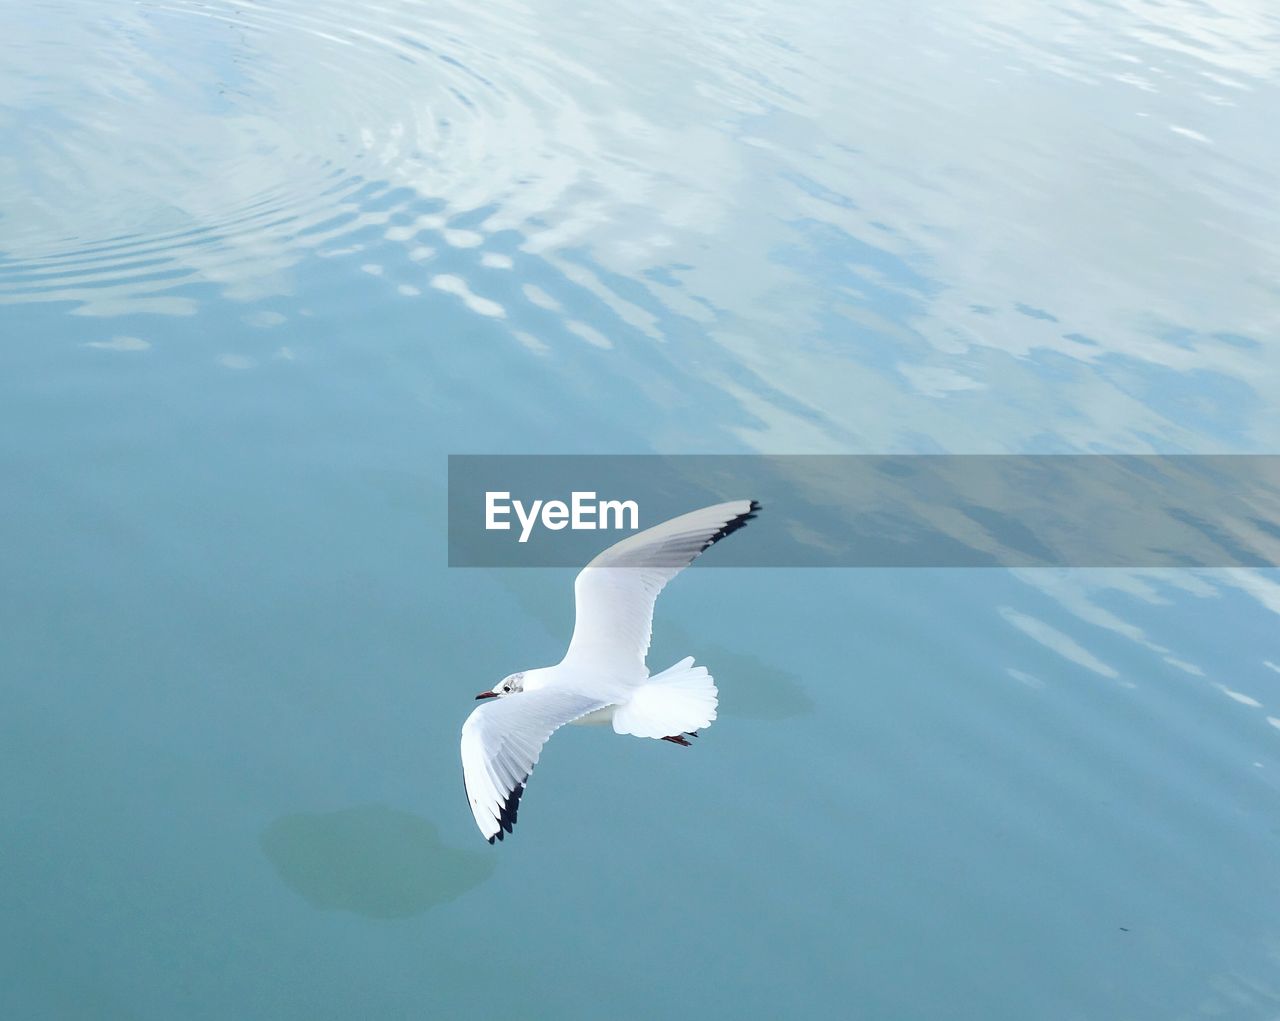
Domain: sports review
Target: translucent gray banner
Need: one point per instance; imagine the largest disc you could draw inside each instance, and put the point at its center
(890, 511)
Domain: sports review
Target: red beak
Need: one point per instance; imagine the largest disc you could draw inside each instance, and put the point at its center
(486, 694)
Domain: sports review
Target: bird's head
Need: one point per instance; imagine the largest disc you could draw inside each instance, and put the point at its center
(509, 685)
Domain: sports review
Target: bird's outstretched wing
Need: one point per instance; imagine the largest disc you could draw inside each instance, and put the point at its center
(501, 742)
(615, 593)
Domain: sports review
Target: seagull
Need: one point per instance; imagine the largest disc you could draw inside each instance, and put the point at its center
(602, 678)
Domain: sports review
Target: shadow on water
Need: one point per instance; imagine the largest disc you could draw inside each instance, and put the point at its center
(750, 688)
(373, 861)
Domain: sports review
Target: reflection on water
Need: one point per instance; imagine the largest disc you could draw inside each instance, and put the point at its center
(373, 861)
(509, 159)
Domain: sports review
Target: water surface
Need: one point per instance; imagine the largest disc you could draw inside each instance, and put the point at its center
(263, 266)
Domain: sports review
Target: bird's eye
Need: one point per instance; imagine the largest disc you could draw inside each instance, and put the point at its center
(507, 688)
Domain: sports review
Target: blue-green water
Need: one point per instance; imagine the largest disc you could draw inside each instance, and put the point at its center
(263, 266)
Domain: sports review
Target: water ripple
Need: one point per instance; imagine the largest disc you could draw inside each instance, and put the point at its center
(820, 205)
(136, 174)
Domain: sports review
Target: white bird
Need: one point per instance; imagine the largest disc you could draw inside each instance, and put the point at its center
(603, 677)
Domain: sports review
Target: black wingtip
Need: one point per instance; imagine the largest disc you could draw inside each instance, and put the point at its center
(509, 810)
(733, 524)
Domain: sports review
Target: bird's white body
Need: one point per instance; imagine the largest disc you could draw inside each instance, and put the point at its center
(599, 718)
(603, 679)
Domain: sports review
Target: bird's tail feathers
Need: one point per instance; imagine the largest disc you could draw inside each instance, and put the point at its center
(679, 700)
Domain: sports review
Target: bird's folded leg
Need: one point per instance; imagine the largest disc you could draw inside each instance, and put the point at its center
(678, 740)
